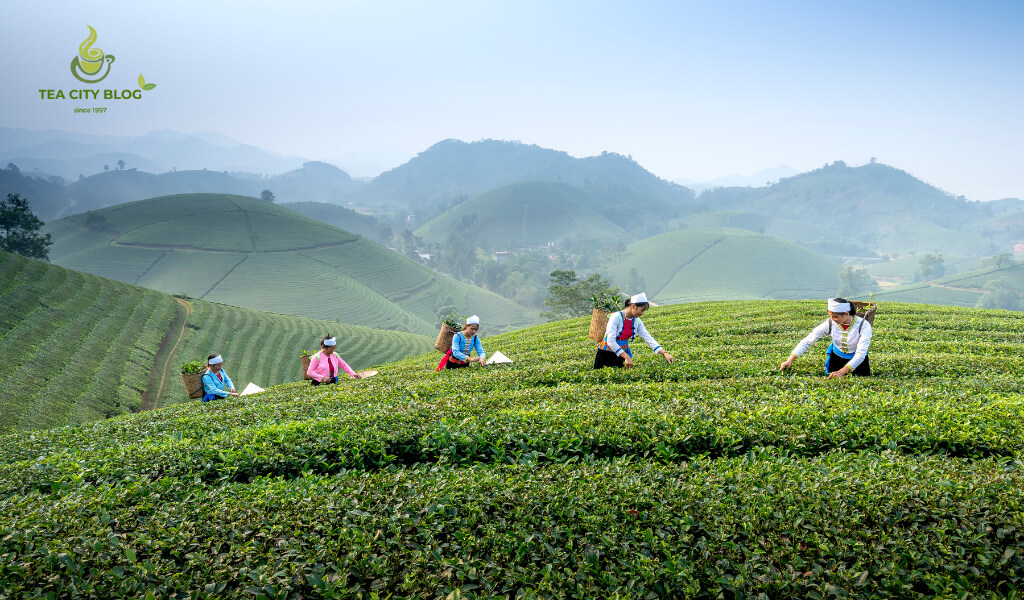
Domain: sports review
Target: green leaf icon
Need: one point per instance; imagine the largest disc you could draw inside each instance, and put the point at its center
(142, 81)
(149, 86)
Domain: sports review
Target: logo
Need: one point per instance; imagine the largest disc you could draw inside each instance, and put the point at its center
(91, 65)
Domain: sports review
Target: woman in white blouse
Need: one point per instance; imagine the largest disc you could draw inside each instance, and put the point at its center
(622, 328)
(850, 336)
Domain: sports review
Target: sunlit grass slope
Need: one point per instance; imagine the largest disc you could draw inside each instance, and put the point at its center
(713, 477)
(725, 263)
(528, 214)
(249, 253)
(77, 347)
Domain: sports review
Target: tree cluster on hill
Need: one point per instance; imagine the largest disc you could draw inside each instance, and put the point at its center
(19, 229)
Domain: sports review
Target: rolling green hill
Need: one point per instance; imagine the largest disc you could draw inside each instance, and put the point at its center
(708, 264)
(77, 347)
(715, 476)
(343, 218)
(522, 215)
(874, 206)
(245, 252)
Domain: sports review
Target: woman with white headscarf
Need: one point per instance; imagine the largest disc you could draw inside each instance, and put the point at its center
(850, 336)
(622, 328)
(463, 343)
(216, 383)
(325, 364)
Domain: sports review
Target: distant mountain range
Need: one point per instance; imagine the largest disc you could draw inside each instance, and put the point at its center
(51, 198)
(67, 154)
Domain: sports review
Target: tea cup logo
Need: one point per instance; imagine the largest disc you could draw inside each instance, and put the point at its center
(91, 61)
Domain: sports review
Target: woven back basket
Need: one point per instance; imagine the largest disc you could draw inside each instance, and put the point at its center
(193, 384)
(305, 366)
(598, 322)
(444, 337)
(866, 310)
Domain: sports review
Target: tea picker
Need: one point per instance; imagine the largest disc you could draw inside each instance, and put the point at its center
(463, 343)
(216, 383)
(325, 365)
(622, 328)
(850, 336)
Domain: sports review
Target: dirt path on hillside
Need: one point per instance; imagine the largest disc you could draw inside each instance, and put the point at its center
(149, 400)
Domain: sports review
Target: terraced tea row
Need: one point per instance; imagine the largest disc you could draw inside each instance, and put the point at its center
(76, 347)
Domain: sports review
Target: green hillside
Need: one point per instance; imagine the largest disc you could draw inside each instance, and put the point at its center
(74, 347)
(521, 215)
(77, 347)
(987, 287)
(708, 264)
(245, 252)
(343, 218)
(787, 229)
(712, 477)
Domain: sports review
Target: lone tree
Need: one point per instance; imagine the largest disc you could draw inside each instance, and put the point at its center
(569, 296)
(854, 282)
(19, 227)
(932, 266)
(120, 165)
(267, 196)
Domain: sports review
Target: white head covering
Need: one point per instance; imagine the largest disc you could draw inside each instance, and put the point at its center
(838, 307)
(330, 342)
(640, 298)
(216, 360)
(474, 320)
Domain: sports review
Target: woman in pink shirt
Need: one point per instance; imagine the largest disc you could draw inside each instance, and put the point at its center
(325, 364)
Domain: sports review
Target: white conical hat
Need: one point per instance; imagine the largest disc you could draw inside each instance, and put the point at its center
(640, 298)
(498, 359)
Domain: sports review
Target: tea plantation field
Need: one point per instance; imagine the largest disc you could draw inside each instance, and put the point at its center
(714, 477)
(73, 347)
(77, 347)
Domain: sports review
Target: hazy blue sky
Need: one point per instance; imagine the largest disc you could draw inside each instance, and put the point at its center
(691, 90)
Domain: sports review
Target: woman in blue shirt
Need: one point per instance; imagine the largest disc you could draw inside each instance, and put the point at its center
(463, 343)
(216, 383)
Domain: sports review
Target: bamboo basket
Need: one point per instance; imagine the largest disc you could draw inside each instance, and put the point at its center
(865, 310)
(305, 366)
(193, 384)
(598, 323)
(444, 338)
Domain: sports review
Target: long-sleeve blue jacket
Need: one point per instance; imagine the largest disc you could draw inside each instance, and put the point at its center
(213, 385)
(461, 347)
